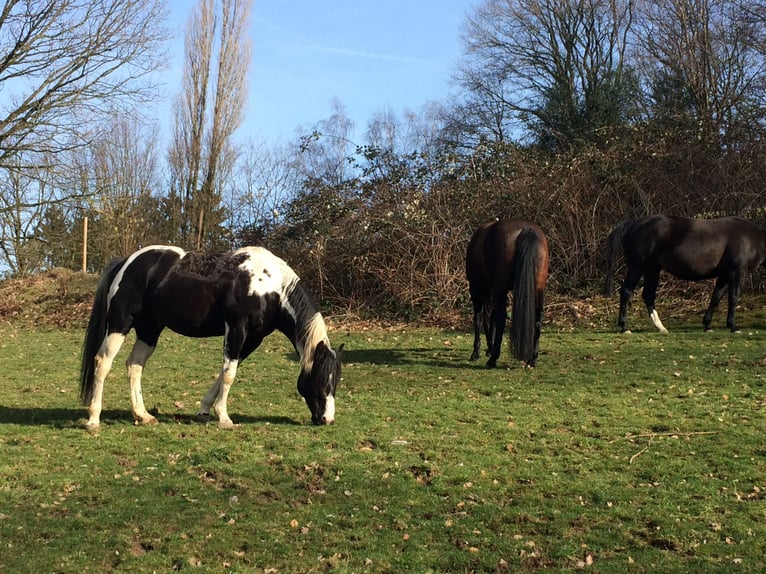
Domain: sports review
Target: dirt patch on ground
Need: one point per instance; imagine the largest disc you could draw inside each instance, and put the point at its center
(62, 298)
(56, 298)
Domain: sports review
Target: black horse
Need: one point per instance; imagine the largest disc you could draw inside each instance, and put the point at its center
(243, 295)
(502, 256)
(693, 249)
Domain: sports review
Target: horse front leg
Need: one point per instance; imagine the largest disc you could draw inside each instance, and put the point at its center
(649, 295)
(721, 283)
(735, 286)
(136, 361)
(489, 326)
(538, 328)
(103, 364)
(498, 318)
(218, 394)
(478, 325)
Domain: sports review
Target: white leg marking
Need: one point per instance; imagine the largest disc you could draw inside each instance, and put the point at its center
(210, 397)
(329, 410)
(104, 358)
(136, 361)
(228, 372)
(657, 323)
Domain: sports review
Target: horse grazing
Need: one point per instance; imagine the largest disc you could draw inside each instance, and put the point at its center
(243, 295)
(502, 256)
(693, 249)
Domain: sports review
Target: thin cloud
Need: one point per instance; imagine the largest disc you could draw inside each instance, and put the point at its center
(297, 39)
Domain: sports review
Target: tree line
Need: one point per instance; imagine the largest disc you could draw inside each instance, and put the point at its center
(574, 114)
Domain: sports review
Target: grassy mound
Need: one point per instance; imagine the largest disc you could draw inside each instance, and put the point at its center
(56, 298)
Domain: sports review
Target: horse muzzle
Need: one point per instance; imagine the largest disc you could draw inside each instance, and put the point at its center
(323, 420)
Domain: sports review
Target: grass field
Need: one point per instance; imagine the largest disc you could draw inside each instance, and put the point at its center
(618, 453)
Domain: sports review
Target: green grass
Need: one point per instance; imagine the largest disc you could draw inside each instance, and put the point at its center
(618, 453)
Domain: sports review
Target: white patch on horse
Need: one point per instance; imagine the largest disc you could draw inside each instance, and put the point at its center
(268, 273)
(329, 410)
(114, 287)
(655, 317)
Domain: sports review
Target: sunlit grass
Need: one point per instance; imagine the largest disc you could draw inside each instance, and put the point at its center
(639, 453)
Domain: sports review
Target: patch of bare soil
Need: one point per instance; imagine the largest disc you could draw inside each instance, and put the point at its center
(56, 298)
(61, 298)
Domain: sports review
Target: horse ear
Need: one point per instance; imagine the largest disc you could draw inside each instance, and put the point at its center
(339, 350)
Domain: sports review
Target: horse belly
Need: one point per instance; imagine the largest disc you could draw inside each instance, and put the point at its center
(692, 267)
(192, 315)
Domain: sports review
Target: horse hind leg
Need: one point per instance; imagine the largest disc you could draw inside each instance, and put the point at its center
(721, 283)
(136, 361)
(103, 364)
(735, 287)
(497, 327)
(629, 284)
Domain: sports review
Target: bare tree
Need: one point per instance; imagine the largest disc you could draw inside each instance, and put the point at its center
(325, 152)
(267, 180)
(124, 173)
(556, 68)
(704, 60)
(24, 195)
(201, 151)
(64, 62)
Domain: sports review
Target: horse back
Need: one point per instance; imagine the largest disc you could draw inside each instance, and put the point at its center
(694, 249)
(491, 250)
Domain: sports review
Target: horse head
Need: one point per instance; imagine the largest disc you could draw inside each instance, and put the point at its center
(318, 382)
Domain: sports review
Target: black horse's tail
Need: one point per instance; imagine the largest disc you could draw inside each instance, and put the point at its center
(96, 330)
(523, 314)
(613, 242)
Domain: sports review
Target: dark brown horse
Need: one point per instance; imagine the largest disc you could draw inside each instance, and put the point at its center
(502, 256)
(726, 249)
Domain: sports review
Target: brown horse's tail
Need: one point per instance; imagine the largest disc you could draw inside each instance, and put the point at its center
(613, 242)
(523, 314)
(96, 329)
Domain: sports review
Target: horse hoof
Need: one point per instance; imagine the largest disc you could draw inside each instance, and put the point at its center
(92, 427)
(225, 425)
(474, 356)
(491, 364)
(202, 417)
(149, 421)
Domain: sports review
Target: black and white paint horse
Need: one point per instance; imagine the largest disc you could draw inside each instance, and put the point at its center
(243, 295)
(726, 248)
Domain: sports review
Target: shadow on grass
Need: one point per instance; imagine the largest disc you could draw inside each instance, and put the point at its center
(425, 356)
(72, 418)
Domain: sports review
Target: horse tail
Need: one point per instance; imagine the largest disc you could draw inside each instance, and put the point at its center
(613, 242)
(96, 329)
(525, 268)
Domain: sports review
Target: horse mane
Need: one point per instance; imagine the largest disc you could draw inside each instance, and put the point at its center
(310, 328)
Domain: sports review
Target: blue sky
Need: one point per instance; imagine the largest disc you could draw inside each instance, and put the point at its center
(369, 55)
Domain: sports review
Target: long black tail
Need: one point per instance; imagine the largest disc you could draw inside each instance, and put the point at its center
(96, 330)
(525, 267)
(613, 243)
